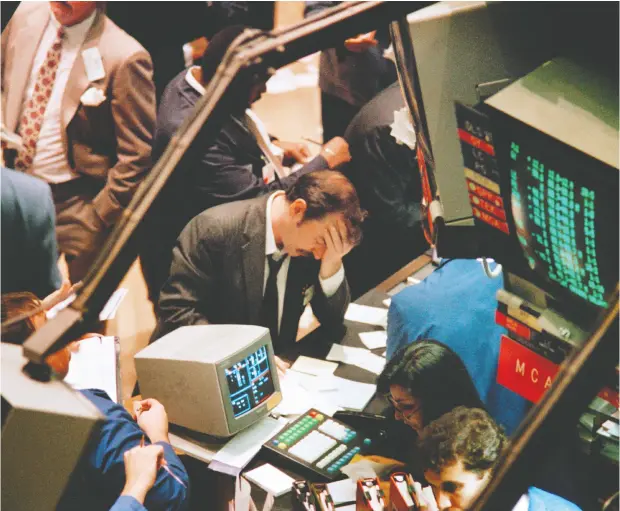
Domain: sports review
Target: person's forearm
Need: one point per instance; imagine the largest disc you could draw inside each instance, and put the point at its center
(137, 491)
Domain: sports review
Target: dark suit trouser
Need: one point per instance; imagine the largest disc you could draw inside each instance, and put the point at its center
(80, 234)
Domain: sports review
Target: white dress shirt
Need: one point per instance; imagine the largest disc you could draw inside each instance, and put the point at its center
(50, 160)
(329, 285)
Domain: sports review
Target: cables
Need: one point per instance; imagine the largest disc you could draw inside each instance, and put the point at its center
(492, 274)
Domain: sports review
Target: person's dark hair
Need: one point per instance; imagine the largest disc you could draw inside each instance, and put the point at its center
(216, 49)
(329, 191)
(468, 435)
(432, 373)
(245, 80)
(16, 304)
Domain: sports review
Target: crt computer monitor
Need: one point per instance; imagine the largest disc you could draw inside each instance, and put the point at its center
(556, 143)
(214, 379)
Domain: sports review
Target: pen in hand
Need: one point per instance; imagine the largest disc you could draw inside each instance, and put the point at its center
(164, 465)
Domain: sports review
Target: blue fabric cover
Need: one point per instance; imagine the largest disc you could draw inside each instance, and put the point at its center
(127, 503)
(541, 500)
(102, 475)
(456, 305)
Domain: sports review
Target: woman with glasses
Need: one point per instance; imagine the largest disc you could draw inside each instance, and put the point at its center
(425, 380)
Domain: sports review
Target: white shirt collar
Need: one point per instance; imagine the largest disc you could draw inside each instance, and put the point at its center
(270, 240)
(191, 79)
(75, 32)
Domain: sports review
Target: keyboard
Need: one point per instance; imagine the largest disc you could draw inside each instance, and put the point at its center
(317, 444)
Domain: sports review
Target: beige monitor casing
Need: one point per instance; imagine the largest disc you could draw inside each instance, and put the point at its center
(184, 370)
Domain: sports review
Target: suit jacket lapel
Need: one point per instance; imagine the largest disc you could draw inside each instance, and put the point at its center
(246, 144)
(25, 45)
(253, 258)
(78, 81)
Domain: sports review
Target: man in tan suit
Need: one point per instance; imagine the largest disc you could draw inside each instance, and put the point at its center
(80, 93)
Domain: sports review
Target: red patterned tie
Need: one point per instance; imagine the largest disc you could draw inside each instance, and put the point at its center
(34, 111)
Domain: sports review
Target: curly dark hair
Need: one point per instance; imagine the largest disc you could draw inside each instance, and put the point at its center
(433, 373)
(468, 435)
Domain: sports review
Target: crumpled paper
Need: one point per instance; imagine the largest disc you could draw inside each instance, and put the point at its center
(402, 129)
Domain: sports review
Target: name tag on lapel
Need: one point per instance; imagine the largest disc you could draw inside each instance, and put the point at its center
(93, 64)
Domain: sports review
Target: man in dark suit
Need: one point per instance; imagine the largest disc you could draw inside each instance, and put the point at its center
(29, 251)
(261, 261)
(215, 172)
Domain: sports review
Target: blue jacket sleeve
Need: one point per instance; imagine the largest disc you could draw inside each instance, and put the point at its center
(127, 503)
(106, 466)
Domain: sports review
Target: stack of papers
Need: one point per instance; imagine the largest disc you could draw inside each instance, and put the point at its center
(239, 451)
(358, 357)
(270, 479)
(368, 315)
(300, 392)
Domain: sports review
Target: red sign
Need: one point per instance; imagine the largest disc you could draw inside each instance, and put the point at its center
(468, 138)
(523, 371)
(485, 194)
(490, 219)
(513, 325)
(487, 206)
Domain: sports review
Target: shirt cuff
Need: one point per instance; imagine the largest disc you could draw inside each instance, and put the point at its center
(331, 284)
(127, 503)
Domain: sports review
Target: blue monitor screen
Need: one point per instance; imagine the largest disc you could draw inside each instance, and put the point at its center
(249, 382)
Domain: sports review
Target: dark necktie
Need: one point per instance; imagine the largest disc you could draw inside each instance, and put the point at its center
(269, 307)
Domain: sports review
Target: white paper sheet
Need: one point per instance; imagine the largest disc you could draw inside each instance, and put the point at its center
(368, 468)
(270, 479)
(239, 451)
(357, 356)
(314, 366)
(297, 400)
(346, 354)
(342, 492)
(387, 302)
(366, 314)
(94, 366)
(300, 392)
(318, 383)
(349, 394)
(373, 363)
(109, 310)
(359, 470)
(374, 340)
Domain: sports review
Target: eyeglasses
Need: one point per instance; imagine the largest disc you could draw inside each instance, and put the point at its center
(407, 409)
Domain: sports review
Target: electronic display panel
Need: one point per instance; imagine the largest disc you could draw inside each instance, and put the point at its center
(249, 382)
(563, 206)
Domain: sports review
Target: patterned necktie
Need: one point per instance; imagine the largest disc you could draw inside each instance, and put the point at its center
(34, 111)
(269, 308)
